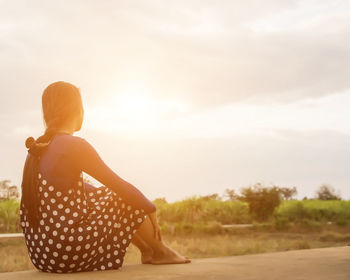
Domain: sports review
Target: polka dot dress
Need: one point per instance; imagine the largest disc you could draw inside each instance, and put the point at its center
(80, 229)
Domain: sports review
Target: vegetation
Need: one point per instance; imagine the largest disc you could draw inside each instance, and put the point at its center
(8, 191)
(206, 214)
(194, 226)
(318, 211)
(203, 209)
(9, 216)
(326, 192)
(262, 201)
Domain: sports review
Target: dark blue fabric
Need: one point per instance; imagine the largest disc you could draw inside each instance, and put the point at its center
(67, 156)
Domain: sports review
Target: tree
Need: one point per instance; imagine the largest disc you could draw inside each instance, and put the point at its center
(213, 196)
(288, 193)
(160, 200)
(262, 200)
(231, 194)
(327, 192)
(8, 191)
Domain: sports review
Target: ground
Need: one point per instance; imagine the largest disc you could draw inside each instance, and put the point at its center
(326, 263)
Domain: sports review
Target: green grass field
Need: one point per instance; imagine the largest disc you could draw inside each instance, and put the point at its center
(198, 214)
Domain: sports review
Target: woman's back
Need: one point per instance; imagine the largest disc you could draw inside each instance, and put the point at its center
(67, 156)
(79, 229)
(60, 162)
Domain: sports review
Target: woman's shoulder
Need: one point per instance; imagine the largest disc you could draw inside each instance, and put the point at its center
(74, 146)
(70, 141)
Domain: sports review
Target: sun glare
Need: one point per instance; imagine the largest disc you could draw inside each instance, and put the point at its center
(133, 105)
(134, 110)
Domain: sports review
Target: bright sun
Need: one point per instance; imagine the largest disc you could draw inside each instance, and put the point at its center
(133, 105)
(133, 110)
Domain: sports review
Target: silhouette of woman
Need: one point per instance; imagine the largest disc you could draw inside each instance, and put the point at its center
(68, 224)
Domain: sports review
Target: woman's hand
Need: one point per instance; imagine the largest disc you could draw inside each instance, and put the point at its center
(154, 221)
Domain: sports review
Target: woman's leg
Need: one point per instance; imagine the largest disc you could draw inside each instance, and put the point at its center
(146, 251)
(162, 254)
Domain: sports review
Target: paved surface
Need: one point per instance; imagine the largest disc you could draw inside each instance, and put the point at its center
(313, 264)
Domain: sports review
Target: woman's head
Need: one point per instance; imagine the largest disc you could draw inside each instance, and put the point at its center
(62, 106)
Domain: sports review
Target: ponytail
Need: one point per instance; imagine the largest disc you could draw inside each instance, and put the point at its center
(36, 147)
(30, 180)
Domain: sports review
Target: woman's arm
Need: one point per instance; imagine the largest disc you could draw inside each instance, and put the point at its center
(89, 161)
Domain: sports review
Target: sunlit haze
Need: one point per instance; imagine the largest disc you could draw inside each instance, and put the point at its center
(187, 98)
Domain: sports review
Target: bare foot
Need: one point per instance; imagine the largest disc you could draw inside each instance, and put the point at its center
(169, 256)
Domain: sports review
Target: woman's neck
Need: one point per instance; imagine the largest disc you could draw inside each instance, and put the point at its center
(69, 127)
(66, 129)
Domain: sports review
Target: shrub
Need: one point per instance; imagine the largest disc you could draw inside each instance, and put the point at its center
(262, 200)
(320, 211)
(292, 211)
(9, 215)
(203, 210)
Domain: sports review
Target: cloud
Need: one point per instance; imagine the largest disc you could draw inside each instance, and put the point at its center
(199, 51)
(242, 118)
(231, 61)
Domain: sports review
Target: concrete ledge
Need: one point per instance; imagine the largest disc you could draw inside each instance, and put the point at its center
(327, 263)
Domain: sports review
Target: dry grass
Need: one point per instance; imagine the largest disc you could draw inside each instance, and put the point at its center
(14, 255)
(206, 246)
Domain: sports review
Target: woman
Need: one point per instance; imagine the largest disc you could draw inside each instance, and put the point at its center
(72, 226)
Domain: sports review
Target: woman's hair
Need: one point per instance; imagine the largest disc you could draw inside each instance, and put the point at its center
(61, 102)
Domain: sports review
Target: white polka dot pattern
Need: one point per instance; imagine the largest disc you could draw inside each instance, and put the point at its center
(80, 229)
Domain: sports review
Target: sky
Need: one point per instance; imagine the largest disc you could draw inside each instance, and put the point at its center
(190, 97)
